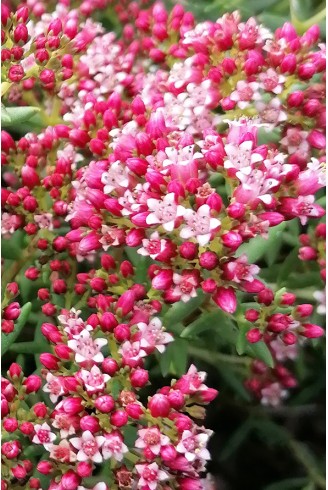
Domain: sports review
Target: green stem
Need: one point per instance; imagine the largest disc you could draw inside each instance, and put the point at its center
(311, 470)
(216, 357)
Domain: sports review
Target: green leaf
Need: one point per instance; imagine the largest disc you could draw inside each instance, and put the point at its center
(289, 484)
(258, 246)
(236, 440)
(17, 115)
(214, 320)
(7, 340)
(179, 311)
(261, 351)
(241, 339)
(174, 360)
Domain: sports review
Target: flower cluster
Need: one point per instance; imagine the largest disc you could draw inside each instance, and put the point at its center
(178, 143)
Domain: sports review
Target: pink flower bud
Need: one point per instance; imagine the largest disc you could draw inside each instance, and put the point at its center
(306, 71)
(44, 467)
(125, 302)
(119, 418)
(134, 410)
(70, 480)
(273, 218)
(15, 370)
(32, 383)
(90, 423)
(7, 326)
(40, 410)
(63, 351)
(312, 331)
(84, 469)
(209, 285)
(304, 310)
(105, 403)
(10, 424)
(188, 250)
(317, 139)
(19, 472)
(126, 268)
(289, 338)
(208, 260)
(236, 210)
(226, 299)
(163, 280)
(159, 405)
(49, 361)
(288, 64)
(122, 332)
(72, 405)
(12, 311)
(295, 99)
(15, 74)
(232, 240)
(265, 296)
(176, 399)
(139, 378)
(51, 332)
(168, 453)
(32, 273)
(253, 335)
(89, 243)
(307, 253)
(109, 366)
(134, 237)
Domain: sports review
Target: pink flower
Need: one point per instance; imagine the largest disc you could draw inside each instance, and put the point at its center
(271, 81)
(273, 394)
(86, 348)
(116, 176)
(113, 446)
(53, 386)
(240, 270)
(88, 446)
(199, 224)
(244, 93)
(164, 212)
(112, 236)
(61, 452)
(131, 353)
(241, 156)
(153, 335)
(152, 247)
(150, 475)
(185, 287)
(182, 162)
(94, 380)
(43, 434)
(152, 439)
(44, 220)
(66, 423)
(193, 446)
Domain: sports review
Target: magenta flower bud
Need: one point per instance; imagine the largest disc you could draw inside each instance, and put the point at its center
(19, 472)
(63, 351)
(15, 370)
(49, 361)
(59, 286)
(317, 139)
(26, 428)
(126, 302)
(12, 311)
(51, 332)
(168, 453)
(139, 219)
(72, 405)
(108, 321)
(208, 395)
(159, 405)
(44, 467)
(312, 331)
(90, 423)
(122, 332)
(183, 422)
(84, 469)
(254, 335)
(236, 210)
(273, 218)
(5, 14)
(89, 243)
(40, 410)
(59, 244)
(32, 383)
(134, 237)
(306, 71)
(112, 205)
(134, 410)
(311, 36)
(307, 253)
(137, 165)
(295, 99)
(119, 418)
(208, 260)
(70, 480)
(215, 202)
(188, 250)
(288, 299)
(32, 273)
(4, 408)
(126, 268)
(7, 326)
(98, 284)
(15, 74)
(176, 399)
(289, 338)
(252, 315)
(105, 403)
(304, 310)
(226, 299)
(163, 280)
(190, 484)
(289, 63)
(144, 144)
(265, 296)
(10, 424)
(107, 262)
(137, 106)
(20, 34)
(139, 378)
(139, 291)
(109, 366)
(55, 27)
(232, 240)
(209, 285)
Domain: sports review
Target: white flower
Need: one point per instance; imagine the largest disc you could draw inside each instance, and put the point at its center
(164, 212)
(116, 176)
(86, 348)
(199, 224)
(94, 380)
(88, 446)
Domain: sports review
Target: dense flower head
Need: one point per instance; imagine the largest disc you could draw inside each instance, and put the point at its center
(174, 145)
